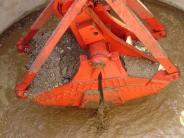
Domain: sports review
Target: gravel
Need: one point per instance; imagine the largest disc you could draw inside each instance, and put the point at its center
(61, 65)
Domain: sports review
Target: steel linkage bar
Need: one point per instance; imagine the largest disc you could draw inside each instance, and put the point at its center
(119, 6)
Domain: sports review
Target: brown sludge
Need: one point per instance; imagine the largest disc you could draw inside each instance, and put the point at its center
(151, 117)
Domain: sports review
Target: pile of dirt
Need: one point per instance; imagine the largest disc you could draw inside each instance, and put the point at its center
(139, 67)
(61, 65)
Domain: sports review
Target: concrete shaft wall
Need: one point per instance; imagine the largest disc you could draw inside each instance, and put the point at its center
(13, 10)
(176, 3)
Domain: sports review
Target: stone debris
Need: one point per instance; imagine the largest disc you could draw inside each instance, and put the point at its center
(140, 67)
(61, 66)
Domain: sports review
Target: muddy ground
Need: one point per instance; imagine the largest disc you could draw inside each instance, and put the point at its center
(153, 116)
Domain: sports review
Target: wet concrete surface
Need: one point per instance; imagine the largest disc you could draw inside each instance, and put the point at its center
(153, 116)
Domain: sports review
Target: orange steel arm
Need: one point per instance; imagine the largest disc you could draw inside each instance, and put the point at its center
(22, 44)
(142, 33)
(152, 23)
(73, 11)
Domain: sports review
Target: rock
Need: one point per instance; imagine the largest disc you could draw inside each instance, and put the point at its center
(182, 118)
(64, 70)
(62, 51)
(69, 48)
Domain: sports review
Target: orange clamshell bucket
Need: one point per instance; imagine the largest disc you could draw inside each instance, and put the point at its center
(105, 38)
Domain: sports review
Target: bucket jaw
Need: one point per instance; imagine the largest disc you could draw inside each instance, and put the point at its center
(101, 75)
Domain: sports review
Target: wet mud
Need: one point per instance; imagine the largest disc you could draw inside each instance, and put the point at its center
(154, 116)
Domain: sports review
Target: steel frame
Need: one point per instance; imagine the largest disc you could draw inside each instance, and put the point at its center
(104, 37)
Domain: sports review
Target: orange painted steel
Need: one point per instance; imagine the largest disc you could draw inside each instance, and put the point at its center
(155, 27)
(105, 38)
(23, 42)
